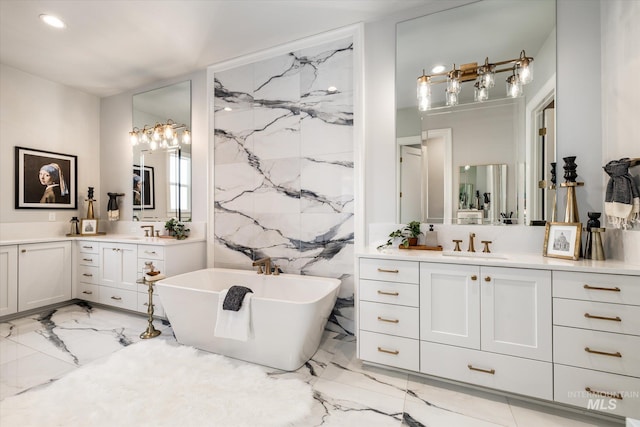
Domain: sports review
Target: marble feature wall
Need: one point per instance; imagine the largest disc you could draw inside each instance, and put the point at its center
(284, 167)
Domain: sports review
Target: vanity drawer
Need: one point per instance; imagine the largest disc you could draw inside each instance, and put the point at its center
(597, 287)
(88, 247)
(119, 298)
(600, 316)
(89, 292)
(143, 304)
(89, 274)
(389, 350)
(597, 390)
(508, 373)
(390, 319)
(389, 292)
(89, 259)
(150, 252)
(390, 270)
(570, 348)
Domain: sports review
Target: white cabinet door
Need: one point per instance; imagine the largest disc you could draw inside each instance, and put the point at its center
(118, 265)
(8, 280)
(516, 312)
(450, 304)
(44, 272)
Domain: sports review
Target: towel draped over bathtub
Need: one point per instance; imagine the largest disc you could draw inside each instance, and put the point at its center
(234, 324)
(234, 297)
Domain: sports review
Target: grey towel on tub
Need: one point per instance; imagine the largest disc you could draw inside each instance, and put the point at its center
(234, 297)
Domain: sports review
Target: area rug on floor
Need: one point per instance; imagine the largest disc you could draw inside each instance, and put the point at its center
(153, 383)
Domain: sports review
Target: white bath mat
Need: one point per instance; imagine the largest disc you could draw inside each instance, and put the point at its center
(153, 383)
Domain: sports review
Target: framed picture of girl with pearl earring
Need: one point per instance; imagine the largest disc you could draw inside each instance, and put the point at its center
(45, 180)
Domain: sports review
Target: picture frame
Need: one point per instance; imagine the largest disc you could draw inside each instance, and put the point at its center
(562, 240)
(144, 192)
(88, 227)
(45, 179)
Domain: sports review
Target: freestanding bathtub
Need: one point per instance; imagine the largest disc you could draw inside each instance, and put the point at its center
(288, 313)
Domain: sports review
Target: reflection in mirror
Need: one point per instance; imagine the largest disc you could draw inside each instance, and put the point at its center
(499, 130)
(162, 172)
(482, 195)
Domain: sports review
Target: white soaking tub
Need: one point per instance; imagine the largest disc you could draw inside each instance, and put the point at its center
(288, 313)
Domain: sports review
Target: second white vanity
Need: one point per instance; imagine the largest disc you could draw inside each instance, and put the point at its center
(564, 331)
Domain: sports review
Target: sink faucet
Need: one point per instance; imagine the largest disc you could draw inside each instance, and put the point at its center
(266, 262)
(471, 246)
(146, 232)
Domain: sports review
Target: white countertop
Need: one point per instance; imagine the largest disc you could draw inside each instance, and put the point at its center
(506, 260)
(117, 238)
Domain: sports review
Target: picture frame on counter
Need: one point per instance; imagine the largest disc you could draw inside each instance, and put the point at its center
(88, 227)
(562, 240)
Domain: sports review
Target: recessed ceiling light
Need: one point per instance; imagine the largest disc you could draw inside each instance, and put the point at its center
(438, 69)
(52, 21)
(332, 88)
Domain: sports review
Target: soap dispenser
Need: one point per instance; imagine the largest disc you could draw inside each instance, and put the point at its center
(431, 237)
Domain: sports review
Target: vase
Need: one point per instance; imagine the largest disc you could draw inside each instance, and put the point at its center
(570, 167)
(413, 241)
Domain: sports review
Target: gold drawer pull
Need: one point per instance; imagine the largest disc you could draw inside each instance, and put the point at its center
(383, 350)
(88, 259)
(116, 298)
(591, 316)
(87, 275)
(487, 279)
(596, 288)
(23, 251)
(147, 304)
(150, 252)
(87, 247)
(382, 319)
(604, 353)
(604, 393)
(382, 270)
(474, 277)
(393, 294)
(486, 371)
(87, 292)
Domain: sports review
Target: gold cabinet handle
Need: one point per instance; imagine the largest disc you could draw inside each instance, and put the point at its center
(487, 279)
(87, 247)
(603, 353)
(150, 252)
(597, 288)
(23, 251)
(604, 393)
(88, 259)
(474, 277)
(382, 270)
(591, 316)
(382, 319)
(486, 371)
(87, 292)
(87, 275)
(116, 298)
(393, 294)
(147, 304)
(384, 350)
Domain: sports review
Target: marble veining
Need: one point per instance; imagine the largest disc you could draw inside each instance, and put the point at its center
(284, 166)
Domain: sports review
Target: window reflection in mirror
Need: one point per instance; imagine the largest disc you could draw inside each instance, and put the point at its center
(500, 130)
(163, 175)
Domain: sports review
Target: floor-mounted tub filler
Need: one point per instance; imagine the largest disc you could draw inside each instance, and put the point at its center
(288, 314)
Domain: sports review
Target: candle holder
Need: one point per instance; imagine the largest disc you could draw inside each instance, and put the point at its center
(150, 332)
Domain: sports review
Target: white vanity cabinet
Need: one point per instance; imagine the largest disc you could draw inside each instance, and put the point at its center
(88, 271)
(597, 341)
(44, 274)
(118, 274)
(8, 279)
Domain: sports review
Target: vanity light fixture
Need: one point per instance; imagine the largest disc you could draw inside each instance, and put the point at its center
(52, 21)
(483, 76)
(163, 135)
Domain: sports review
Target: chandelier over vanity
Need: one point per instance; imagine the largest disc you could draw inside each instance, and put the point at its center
(521, 70)
(161, 135)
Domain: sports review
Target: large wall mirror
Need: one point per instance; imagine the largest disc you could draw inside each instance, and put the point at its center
(502, 133)
(161, 170)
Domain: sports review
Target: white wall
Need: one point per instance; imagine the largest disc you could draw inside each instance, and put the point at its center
(38, 113)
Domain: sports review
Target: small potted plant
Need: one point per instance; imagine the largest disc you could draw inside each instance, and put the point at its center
(177, 229)
(409, 235)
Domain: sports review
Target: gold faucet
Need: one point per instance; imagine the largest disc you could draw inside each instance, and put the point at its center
(266, 262)
(471, 246)
(146, 232)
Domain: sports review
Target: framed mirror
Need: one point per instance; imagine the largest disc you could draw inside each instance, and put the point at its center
(161, 172)
(489, 127)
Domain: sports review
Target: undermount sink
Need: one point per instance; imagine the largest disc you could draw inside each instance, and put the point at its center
(489, 255)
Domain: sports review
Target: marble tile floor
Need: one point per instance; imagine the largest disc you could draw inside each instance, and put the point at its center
(40, 348)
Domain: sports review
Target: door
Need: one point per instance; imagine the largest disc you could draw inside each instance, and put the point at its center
(44, 274)
(410, 184)
(450, 304)
(8, 279)
(516, 312)
(118, 265)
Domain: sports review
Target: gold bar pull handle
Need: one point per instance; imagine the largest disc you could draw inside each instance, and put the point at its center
(382, 319)
(393, 294)
(116, 298)
(597, 288)
(486, 371)
(383, 270)
(591, 316)
(87, 275)
(87, 292)
(88, 259)
(604, 393)
(603, 353)
(384, 350)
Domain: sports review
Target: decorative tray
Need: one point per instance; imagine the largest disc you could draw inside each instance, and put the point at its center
(422, 247)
